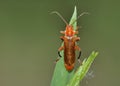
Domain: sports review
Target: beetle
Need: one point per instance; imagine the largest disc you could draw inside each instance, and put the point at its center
(69, 44)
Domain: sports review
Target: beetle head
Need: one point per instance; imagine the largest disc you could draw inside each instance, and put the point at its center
(69, 31)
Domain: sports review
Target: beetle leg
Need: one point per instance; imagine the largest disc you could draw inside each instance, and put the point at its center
(62, 32)
(57, 59)
(61, 48)
(77, 38)
(62, 38)
(78, 48)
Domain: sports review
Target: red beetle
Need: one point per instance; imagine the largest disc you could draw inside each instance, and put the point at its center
(69, 44)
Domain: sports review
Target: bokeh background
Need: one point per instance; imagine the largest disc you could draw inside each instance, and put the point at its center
(29, 39)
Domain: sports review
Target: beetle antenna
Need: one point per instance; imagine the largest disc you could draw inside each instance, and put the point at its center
(60, 16)
(80, 16)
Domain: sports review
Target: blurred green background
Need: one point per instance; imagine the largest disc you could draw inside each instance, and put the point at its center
(29, 39)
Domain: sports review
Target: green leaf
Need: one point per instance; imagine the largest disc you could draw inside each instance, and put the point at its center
(74, 17)
(82, 70)
(61, 76)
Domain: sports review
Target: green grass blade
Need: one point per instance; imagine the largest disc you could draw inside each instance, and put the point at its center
(61, 76)
(74, 17)
(82, 70)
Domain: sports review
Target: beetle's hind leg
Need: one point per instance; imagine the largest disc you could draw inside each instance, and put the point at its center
(60, 49)
(78, 48)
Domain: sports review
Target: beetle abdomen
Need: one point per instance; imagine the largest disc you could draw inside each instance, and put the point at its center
(69, 67)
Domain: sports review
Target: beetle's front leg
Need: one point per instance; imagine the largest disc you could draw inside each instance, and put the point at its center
(62, 32)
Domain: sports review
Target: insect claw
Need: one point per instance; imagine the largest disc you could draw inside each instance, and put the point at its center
(57, 60)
